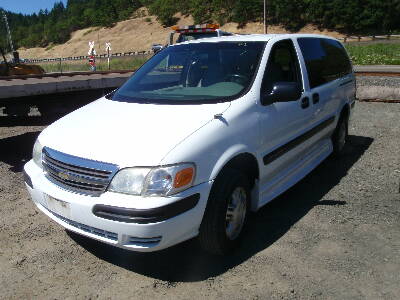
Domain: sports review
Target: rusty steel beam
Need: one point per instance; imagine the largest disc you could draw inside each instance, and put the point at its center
(68, 74)
(379, 100)
(379, 74)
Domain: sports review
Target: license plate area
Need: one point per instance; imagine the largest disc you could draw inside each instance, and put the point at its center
(57, 206)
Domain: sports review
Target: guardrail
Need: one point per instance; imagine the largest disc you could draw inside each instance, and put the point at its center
(66, 74)
(370, 37)
(86, 57)
(71, 74)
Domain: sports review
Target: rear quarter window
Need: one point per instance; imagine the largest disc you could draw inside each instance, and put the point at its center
(326, 60)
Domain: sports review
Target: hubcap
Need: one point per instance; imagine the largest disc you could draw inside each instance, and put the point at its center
(342, 136)
(236, 213)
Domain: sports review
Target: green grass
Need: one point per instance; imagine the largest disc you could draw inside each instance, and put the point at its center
(375, 54)
(122, 63)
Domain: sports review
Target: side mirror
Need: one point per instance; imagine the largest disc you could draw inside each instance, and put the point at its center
(282, 92)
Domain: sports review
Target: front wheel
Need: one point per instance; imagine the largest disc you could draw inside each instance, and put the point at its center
(226, 213)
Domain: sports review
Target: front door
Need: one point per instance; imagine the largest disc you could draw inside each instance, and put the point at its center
(282, 123)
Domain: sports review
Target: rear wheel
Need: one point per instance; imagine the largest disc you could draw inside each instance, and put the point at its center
(339, 136)
(226, 213)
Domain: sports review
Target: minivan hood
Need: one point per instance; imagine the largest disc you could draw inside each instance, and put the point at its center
(127, 134)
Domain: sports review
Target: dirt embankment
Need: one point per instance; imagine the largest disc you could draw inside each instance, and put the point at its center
(138, 34)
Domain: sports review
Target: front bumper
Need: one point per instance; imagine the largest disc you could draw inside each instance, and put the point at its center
(130, 222)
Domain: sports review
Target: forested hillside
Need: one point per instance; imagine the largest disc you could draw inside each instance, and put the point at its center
(345, 16)
(55, 26)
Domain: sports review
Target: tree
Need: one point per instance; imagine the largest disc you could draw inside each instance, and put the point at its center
(165, 11)
(346, 16)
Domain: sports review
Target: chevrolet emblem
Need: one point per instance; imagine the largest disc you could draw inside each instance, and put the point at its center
(64, 176)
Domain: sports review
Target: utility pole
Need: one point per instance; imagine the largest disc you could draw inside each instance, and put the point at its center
(108, 49)
(15, 53)
(265, 17)
(8, 31)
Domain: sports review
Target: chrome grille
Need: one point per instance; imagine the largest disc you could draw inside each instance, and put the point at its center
(93, 230)
(144, 242)
(77, 174)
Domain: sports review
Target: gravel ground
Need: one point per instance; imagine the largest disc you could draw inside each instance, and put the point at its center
(335, 235)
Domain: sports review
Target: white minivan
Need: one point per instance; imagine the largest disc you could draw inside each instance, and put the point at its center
(200, 135)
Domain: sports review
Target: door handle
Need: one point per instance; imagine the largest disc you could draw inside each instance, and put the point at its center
(305, 102)
(315, 98)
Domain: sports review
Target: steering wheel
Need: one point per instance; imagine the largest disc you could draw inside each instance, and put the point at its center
(237, 78)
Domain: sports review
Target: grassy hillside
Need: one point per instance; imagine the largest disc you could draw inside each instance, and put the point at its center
(369, 54)
(344, 16)
(132, 29)
(139, 34)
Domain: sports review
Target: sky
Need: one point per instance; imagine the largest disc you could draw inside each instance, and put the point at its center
(28, 6)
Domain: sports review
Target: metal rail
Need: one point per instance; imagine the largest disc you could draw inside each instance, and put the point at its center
(380, 100)
(85, 57)
(379, 74)
(87, 73)
(68, 74)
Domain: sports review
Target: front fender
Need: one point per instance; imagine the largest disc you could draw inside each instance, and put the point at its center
(228, 155)
(217, 142)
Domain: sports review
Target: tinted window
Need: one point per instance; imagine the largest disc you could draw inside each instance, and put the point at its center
(195, 36)
(223, 33)
(196, 72)
(325, 59)
(282, 66)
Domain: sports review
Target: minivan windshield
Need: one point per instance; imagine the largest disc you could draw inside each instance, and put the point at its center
(194, 73)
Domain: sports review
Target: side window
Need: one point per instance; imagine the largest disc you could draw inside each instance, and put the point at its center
(337, 60)
(282, 66)
(325, 59)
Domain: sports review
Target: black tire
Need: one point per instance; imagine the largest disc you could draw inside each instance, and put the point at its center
(213, 236)
(339, 136)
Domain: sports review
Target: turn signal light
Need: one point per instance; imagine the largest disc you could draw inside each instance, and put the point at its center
(183, 177)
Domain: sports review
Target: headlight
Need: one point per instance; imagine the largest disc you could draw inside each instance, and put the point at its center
(157, 181)
(129, 181)
(37, 153)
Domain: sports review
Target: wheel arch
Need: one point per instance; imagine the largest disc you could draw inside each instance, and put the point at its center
(345, 111)
(243, 160)
(238, 157)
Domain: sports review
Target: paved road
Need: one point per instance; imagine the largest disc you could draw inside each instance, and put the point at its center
(335, 235)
